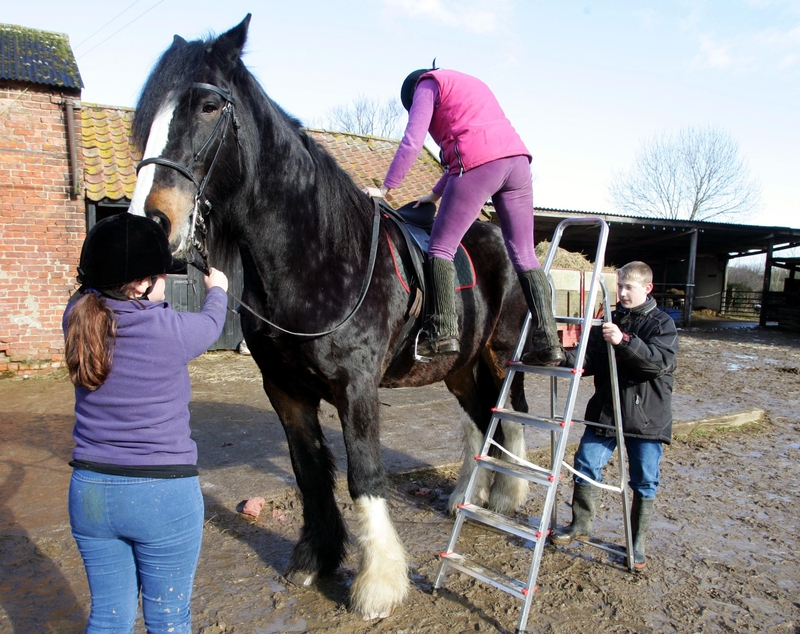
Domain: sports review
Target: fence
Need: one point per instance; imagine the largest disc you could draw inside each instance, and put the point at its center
(741, 304)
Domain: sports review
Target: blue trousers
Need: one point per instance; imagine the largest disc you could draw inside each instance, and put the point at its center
(644, 457)
(137, 534)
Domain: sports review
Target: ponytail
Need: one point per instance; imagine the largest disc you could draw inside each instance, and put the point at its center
(91, 333)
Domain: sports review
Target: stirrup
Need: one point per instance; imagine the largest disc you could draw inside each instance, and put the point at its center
(420, 356)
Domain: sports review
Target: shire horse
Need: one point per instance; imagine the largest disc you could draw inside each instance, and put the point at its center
(224, 165)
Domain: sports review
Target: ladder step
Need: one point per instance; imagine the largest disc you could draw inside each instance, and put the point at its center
(487, 575)
(578, 321)
(553, 424)
(500, 522)
(519, 470)
(545, 370)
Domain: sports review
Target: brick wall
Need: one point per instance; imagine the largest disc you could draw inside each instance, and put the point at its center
(41, 227)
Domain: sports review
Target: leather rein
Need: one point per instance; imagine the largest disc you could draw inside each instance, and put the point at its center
(202, 206)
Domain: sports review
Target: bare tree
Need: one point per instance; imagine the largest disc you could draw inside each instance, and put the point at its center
(694, 175)
(367, 116)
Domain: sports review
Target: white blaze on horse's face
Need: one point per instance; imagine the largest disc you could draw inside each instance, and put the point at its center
(171, 202)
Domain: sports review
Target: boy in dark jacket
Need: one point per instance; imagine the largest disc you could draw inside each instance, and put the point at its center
(645, 342)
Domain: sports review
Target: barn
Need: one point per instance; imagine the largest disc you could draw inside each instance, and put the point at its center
(65, 164)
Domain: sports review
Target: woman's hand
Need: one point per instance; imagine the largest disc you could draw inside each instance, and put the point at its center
(428, 198)
(376, 192)
(214, 278)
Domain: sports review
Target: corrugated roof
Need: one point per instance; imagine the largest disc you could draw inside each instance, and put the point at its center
(39, 57)
(110, 159)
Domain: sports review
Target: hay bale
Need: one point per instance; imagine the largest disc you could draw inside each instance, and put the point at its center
(567, 259)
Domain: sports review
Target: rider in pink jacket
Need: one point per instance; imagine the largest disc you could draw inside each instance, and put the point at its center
(484, 158)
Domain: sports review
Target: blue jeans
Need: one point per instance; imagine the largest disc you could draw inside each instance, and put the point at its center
(137, 533)
(644, 457)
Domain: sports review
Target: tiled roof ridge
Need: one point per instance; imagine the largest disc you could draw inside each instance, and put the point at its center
(18, 27)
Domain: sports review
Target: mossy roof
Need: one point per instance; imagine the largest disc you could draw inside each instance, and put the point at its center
(39, 57)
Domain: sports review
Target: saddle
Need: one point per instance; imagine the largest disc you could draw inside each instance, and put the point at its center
(415, 224)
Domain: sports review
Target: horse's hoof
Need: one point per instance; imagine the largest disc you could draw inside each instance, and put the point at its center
(301, 577)
(377, 616)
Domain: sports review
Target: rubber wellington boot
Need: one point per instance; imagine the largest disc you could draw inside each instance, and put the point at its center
(547, 349)
(641, 512)
(585, 499)
(444, 339)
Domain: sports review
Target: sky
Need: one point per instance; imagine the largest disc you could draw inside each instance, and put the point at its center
(585, 84)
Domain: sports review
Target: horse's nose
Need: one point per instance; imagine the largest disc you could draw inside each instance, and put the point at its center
(161, 218)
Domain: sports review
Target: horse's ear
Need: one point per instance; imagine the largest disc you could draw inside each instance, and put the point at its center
(228, 47)
(178, 41)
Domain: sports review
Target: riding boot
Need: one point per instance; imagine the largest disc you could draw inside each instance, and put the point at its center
(641, 512)
(547, 349)
(444, 338)
(585, 499)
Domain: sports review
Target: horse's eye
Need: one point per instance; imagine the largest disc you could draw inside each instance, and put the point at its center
(209, 108)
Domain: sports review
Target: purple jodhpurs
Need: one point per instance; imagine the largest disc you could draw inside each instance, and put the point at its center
(507, 182)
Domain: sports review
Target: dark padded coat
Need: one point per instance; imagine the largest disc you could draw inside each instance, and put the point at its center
(645, 363)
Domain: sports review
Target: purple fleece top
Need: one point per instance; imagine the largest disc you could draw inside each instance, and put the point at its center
(140, 415)
(419, 120)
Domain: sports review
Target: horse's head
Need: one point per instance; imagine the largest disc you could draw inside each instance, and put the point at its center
(186, 124)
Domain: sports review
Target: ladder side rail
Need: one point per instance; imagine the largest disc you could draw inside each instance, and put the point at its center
(622, 454)
(548, 510)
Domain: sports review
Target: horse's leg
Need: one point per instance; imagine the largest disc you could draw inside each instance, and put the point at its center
(382, 581)
(323, 538)
(474, 420)
(508, 492)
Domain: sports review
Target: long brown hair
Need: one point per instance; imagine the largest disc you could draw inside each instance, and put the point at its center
(90, 337)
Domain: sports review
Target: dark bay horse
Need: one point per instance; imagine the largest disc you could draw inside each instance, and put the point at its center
(220, 157)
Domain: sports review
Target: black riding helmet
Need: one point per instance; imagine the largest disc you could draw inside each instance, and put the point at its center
(124, 248)
(410, 85)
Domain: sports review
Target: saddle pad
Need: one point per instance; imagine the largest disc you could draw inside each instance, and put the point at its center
(465, 271)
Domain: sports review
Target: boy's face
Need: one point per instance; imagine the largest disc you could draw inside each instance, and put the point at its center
(632, 294)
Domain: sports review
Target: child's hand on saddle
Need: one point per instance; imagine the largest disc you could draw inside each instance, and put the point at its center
(428, 198)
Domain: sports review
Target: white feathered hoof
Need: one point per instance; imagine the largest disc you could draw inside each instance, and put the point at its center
(382, 581)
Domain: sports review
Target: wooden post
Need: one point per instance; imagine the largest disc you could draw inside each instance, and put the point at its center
(762, 318)
(689, 301)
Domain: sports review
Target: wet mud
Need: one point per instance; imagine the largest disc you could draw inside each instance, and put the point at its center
(722, 553)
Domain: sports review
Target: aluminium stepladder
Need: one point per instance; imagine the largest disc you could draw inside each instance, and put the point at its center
(559, 426)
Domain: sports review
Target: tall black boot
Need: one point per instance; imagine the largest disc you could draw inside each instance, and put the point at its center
(444, 338)
(641, 513)
(547, 349)
(585, 499)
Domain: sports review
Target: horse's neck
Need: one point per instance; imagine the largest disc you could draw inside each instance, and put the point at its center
(306, 229)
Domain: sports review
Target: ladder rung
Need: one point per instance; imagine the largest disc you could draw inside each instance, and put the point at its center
(518, 470)
(487, 575)
(594, 424)
(577, 321)
(500, 522)
(553, 424)
(547, 370)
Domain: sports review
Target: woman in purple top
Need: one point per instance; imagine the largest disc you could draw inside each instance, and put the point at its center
(484, 158)
(135, 504)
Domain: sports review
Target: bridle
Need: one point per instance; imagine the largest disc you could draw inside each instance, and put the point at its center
(202, 206)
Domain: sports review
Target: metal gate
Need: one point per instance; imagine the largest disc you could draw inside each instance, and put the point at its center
(187, 293)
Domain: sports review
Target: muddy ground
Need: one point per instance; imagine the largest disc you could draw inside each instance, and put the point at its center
(722, 556)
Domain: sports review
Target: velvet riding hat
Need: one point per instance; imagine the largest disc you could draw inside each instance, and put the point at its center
(124, 248)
